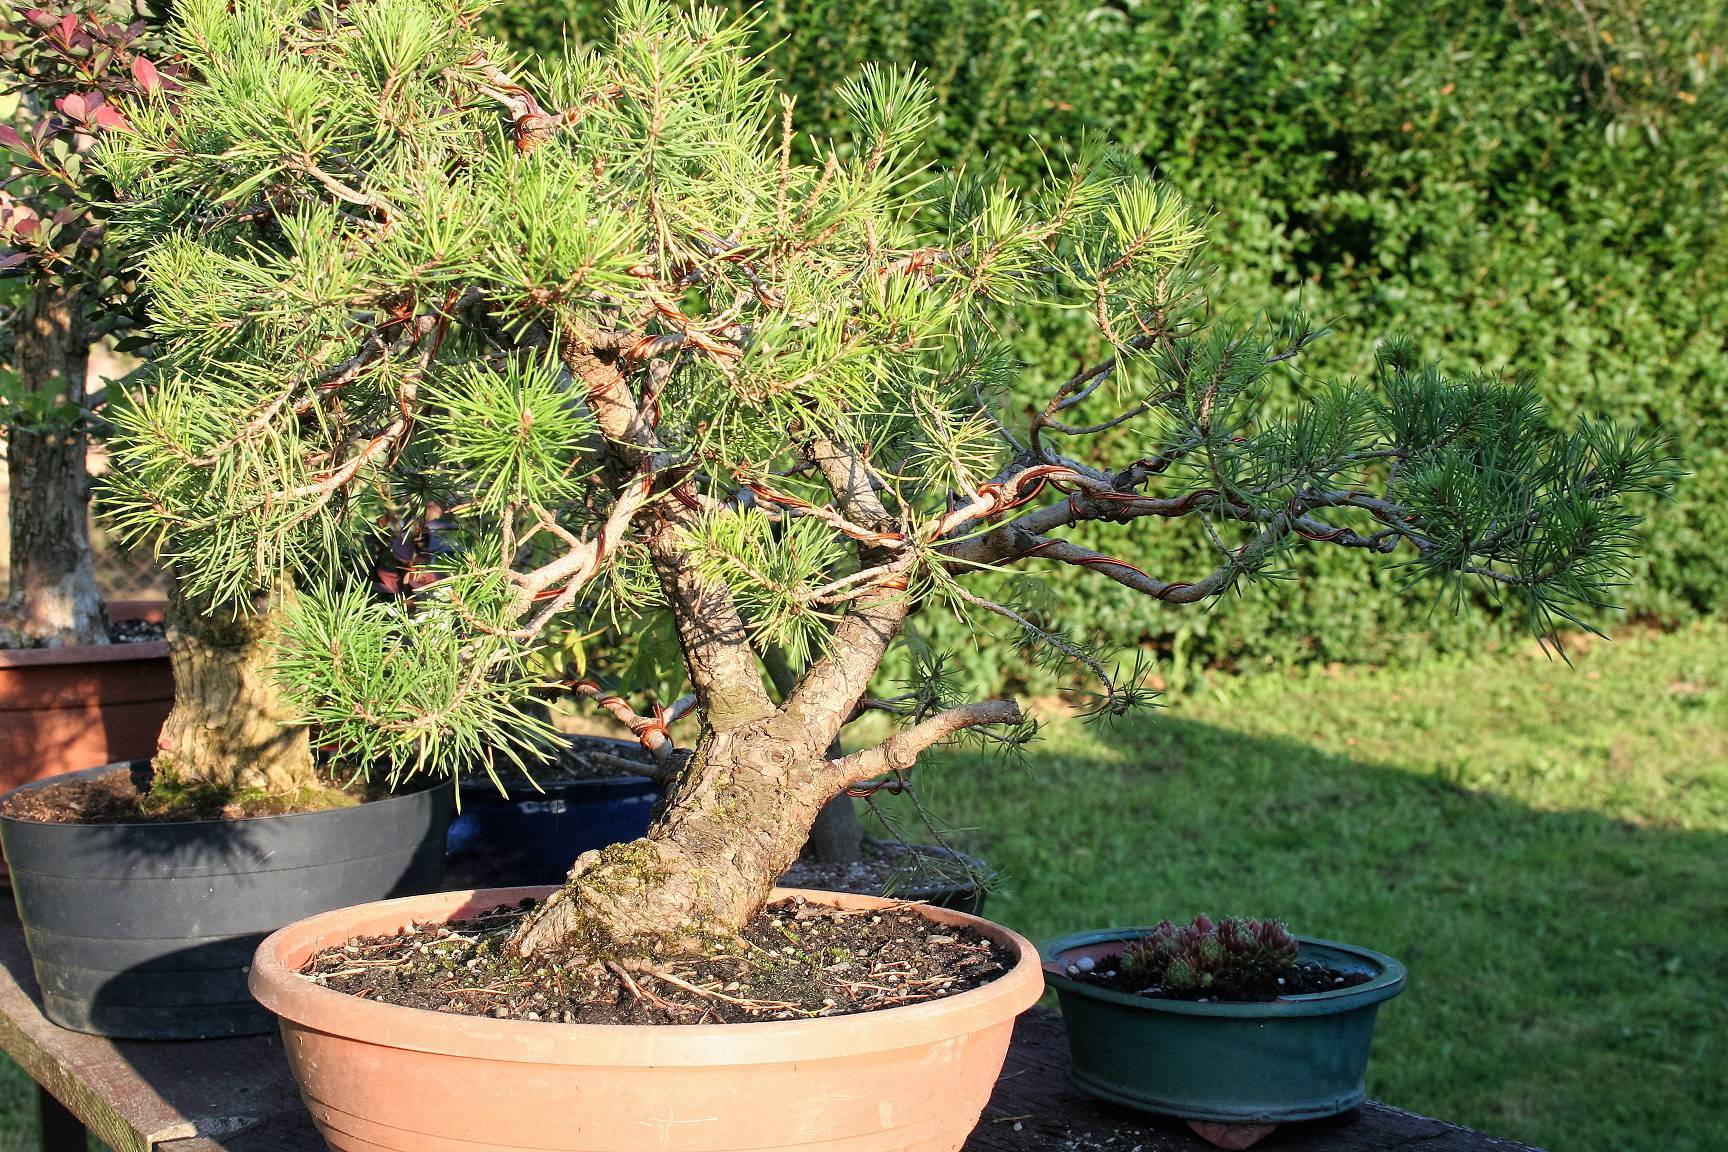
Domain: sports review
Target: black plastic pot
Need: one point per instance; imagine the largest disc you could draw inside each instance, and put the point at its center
(1295, 1058)
(531, 836)
(146, 931)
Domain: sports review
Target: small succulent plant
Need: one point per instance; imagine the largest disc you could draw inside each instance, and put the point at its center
(1192, 957)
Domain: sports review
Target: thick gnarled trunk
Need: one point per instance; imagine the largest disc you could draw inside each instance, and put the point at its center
(837, 836)
(229, 728)
(735, 821)
(742, 808)
(53, 600)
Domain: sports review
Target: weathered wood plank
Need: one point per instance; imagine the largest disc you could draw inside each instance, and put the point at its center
(1037, 1109)
(136, 1096)
(237, 1095)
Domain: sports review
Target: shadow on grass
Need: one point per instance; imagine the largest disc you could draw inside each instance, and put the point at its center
(1566, 969)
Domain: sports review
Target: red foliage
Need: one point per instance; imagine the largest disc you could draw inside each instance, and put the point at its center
(80, 69)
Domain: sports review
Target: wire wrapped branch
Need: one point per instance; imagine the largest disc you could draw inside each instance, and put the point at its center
(650, 731)
(531, 124)
(583, 560)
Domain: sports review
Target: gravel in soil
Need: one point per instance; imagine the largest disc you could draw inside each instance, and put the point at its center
(1304, 978)
(795, 960)
(119, 632)
(136, 631)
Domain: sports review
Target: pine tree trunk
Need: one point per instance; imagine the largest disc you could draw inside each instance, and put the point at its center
(228, 729)
(837, 837)
(735, 821)
(741, 809)
(53, 600)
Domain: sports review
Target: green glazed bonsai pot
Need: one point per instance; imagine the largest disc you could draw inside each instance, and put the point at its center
(1297, 1058)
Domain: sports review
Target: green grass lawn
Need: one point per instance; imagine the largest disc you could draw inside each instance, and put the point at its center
(17, 1108)
(1546, 848)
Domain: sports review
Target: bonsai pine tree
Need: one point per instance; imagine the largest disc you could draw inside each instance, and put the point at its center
(627, 344)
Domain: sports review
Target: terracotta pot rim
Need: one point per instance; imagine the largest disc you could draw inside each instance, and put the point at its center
(276, 983)
(84, 654)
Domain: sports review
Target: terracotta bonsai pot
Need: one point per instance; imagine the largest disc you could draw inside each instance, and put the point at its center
(380, 1076)
(64, 709)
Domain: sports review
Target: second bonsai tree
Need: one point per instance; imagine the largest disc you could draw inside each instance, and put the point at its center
(639, 347)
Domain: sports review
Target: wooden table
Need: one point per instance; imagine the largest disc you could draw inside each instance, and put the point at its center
(237, 1095)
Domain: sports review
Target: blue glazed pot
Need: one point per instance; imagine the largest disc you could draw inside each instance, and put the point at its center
(1297, 1058)
(532, 836)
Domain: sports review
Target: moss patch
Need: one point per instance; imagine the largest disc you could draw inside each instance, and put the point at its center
(173, 799)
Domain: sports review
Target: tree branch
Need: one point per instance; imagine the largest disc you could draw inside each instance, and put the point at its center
(825, 697)
(581, 563)
(901, 750)
(594, 363)
(723, 665)
(650, 731)
(724, 668)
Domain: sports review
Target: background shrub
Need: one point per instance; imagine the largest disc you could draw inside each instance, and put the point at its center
(1534, 186)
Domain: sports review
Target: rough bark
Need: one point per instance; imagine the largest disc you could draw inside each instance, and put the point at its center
(734, 821)
(743, 805)
(837, 836)
(724, 669)
(53, 600)
(831, 688)
(736, 817)
(228, 729)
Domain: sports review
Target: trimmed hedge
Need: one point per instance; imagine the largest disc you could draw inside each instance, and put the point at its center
(1533, 186)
